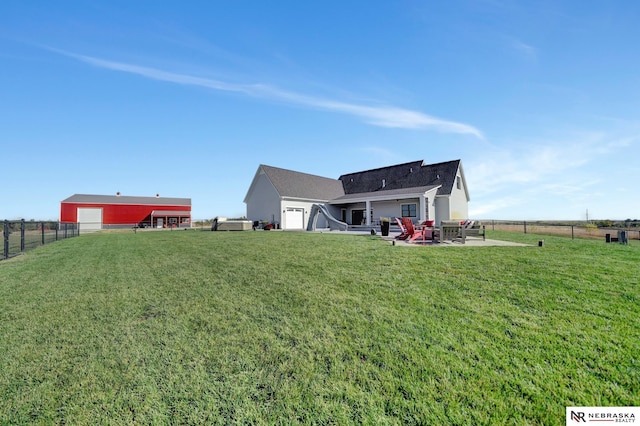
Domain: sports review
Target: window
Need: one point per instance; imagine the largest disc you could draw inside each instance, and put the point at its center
(409, 210)
(459, 182)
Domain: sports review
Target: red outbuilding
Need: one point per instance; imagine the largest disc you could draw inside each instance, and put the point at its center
(94, 212)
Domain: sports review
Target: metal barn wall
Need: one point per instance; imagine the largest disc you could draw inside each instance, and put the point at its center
(116, 214)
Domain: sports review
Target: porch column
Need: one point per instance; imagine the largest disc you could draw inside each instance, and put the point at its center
(367, 211)
(423, 208)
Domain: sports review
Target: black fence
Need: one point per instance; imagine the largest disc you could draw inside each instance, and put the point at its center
(19, 236)
(593, 230)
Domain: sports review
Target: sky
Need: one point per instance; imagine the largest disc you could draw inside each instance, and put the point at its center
(540, 100)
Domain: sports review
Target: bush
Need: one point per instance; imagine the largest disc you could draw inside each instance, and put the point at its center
(591, 227)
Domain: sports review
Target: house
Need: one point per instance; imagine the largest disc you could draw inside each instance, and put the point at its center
(415, 189)
(285, 197)
(94, 212)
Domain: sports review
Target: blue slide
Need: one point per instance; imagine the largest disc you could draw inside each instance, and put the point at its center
(334, 224)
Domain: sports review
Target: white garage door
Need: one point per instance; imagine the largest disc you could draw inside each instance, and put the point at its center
(90, 219)
(294, 218)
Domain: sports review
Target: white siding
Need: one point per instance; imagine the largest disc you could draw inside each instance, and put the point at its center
(458, 201)
(442, 209)
(264, 202)
(393, 209)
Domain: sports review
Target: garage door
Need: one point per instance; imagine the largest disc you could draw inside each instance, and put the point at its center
(90, 219)
(294, 218)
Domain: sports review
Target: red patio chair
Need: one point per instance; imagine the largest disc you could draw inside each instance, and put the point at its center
(403, 230)
(410, 230)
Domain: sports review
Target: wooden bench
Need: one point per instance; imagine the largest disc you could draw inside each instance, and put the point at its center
(455, 231)
(451, 231)
(476, 230)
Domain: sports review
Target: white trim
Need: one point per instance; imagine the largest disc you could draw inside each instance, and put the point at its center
(385, 197)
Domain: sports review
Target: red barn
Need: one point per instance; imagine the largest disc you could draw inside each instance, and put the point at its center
(114, 211)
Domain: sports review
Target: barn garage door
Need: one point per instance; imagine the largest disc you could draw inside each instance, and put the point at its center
(294, 218)
(90, 219)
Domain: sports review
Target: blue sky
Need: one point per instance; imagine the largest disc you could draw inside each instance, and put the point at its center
(540, 100)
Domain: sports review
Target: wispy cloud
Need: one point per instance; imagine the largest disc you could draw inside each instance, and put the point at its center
(526, 50)
(554, 173)
(382, 153)
(383, 116)
(528, 165)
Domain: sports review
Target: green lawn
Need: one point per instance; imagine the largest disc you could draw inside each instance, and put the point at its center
(189, 327)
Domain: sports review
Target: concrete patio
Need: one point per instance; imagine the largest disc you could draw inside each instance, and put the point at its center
(470, 242)
(391, 239)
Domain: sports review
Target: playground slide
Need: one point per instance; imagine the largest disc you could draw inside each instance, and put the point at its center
(334, 224)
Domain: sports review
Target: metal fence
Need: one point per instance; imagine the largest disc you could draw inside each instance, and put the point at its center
(573, 230)
(19, 236)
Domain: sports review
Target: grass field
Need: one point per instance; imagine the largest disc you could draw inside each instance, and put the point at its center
(191, 327)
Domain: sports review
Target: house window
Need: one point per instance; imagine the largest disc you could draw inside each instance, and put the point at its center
(459, 182)
(409, 210)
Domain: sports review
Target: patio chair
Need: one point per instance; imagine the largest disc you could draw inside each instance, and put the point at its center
(425, 232)
(403, 229)
(413, 234)
(451, 231)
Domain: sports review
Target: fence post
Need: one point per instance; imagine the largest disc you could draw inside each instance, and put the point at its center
(525, 226)
(6, 239)
(42, 226)
(57, 226)
(493, 225)
(22, 236)
(572, 232)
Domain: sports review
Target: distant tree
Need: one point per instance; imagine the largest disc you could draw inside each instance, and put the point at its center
(604, 223)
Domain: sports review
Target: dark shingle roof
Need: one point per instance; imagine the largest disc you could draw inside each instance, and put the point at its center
(123, 199)
(401, 176)
(302, 185)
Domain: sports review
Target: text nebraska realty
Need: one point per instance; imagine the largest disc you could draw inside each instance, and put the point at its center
(579, 416)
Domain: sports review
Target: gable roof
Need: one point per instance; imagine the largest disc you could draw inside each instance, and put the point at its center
(123, 199)
(414, 177)
(401, 176)
(302, 185)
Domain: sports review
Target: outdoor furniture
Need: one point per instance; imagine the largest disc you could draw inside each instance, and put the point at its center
(404, 233)
(473, 228)
(427, 232)
(409, 232)
(451, 231)
(459, 231)
(413, 233)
